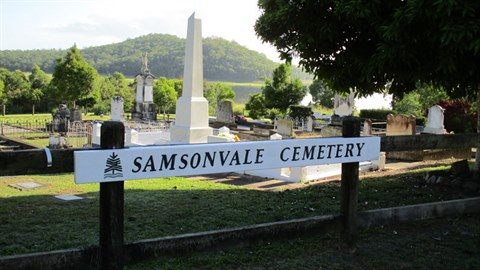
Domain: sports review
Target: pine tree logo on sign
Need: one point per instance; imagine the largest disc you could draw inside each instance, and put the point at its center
(113, 167)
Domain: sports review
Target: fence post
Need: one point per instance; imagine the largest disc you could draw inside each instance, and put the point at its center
(111, 203)
(349, 189)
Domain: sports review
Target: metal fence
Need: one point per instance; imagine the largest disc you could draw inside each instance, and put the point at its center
(76, 134)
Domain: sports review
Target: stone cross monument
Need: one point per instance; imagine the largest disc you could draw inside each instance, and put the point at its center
(191, 123)
(144, 108)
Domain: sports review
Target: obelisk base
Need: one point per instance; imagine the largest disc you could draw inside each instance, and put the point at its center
(191, 121)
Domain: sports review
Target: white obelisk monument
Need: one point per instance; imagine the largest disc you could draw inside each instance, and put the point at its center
(191, 121)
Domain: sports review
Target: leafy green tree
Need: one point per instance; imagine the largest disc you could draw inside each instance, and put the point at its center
(105, 89)
(256, 106)
(418, 101)
(75, 79)
(409, 105)
(2, 91)
(216, 92)
(3, 74)
(367, 45)
(430, 95)
(282, 91)
(17, 91)
(39, 82)
(164, 95)
(122, 89)
(322, 94)
(38, 78)
(178, 85)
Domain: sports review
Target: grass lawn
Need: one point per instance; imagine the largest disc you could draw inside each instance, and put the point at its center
(431, 244)
(35, 221)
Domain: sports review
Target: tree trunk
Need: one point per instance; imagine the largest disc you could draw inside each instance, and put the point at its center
(74, 105)
(477, 154)
(33, 109)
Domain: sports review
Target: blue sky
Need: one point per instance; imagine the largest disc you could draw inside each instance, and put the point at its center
(40, 24)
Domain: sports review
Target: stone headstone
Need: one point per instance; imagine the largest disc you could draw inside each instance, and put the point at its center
(225, 112)
(367, 127)
(191, 123)
(400, 125)
(309, 124)
(285, 127)
(435, 121)
(116, 109)
(331, 131)
(343, 106)
(75, 115)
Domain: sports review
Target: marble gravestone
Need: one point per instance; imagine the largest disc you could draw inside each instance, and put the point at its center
(225, 112)
(343, 106)
(435, 121)
(116, 109)
(191, 123)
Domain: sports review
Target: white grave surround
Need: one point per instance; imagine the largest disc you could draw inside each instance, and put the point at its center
(191, 123)
(108, 165)
(315, 172)
(435, 121)
(136, 138)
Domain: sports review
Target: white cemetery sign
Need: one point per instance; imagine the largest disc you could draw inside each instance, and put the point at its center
(193, 159)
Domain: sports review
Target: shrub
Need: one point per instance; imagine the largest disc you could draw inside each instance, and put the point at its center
(238, 108)
(459, 117)
(378, 114)
(100, 108)
(300, 112)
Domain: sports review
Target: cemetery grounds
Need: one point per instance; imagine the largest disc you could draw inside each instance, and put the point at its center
(34, 220)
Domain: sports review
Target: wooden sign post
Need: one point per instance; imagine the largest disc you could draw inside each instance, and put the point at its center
(111, 203)
(349, 189)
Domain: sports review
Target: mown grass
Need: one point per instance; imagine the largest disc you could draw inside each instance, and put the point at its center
(431, 244)
(35, 221)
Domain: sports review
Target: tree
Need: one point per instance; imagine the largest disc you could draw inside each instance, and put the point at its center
(256, 106)
(322, 94)
(216, 92)
(3, 98)
(74, 79)
(282, 91)
(164, 95)
(17, 91)
(367, 45)
(39, 81)
(122, 89)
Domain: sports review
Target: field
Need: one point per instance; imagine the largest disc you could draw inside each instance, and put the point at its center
(35, 221)
(40, 117)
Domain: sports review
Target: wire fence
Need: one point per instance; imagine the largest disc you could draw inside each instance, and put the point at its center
(76, 134)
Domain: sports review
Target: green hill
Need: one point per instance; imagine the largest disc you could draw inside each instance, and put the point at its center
(223, 60)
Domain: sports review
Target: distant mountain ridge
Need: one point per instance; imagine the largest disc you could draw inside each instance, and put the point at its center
(223, 60)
